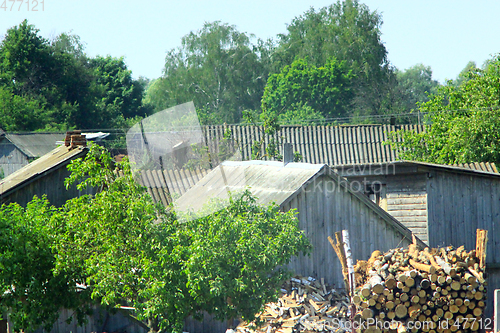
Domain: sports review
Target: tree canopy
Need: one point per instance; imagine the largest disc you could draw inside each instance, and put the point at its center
(415, 84)
(326, 90)
(463, 119)
(350, 32)
(218, 68)
(53, 85)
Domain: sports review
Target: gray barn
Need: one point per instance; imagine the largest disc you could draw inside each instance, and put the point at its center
(44, 176)
(443, 205)
(325, 204)
(19, 149)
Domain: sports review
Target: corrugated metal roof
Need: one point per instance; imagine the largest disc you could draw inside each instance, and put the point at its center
(35, 145)
(332, 145)
(269, 181)
(483, 166)
(179, 182)
(486, 169)
(40, 166)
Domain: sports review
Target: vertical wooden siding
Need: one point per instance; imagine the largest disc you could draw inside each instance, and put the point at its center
(11, 158)
(459, 204)
(324, 208)
(51, 185)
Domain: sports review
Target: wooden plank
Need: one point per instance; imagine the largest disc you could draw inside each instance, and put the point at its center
(408, 213)
(406, 200)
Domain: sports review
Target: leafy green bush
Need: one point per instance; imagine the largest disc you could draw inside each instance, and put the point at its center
(126, 250)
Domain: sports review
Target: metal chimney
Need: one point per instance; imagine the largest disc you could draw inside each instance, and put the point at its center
(287, 153)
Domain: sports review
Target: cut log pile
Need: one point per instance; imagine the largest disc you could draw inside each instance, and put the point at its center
(306, 305)
(432, 285)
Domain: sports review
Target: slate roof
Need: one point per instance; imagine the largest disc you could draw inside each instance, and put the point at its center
(483, 166)
(269, 181)
(180, 181)
(34, 145)
(484, 169)
(332, 145)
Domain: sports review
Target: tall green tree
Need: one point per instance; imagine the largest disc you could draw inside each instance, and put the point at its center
(416, 84)
(118, 95)
(350, 32)
(31, 292)
(218, 68)
(464, 73)
(132, 252)
(464, 121)
(325, 89)
(55, 86)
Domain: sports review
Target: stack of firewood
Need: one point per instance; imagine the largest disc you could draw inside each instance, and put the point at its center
(440, 286)
(306, 305)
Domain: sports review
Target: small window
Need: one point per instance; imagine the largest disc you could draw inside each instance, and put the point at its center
(377, 193)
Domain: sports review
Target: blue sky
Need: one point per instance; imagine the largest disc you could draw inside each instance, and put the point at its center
(443, 34)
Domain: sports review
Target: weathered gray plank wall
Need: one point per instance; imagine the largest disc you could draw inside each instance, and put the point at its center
(324, 208)
(458, 204)
(100, 321)
(11, 158)
(407, 202)
(51, 185)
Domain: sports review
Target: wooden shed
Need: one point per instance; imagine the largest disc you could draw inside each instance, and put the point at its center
(19, 149)
(325, 203)
(442, 204)
(43, 176)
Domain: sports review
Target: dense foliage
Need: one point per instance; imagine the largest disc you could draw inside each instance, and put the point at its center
(226, 74)
(415, 84)
(325, 90)
(464, 120)
(53, 85)
(218, 68)
(347, 31)
(32, 292)
(125, 250)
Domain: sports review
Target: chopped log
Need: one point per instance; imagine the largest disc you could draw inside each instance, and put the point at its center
(376, 283)
(445, 266)
(476, 274)
(481, 241)
(422, 267)
(401, 311)
(367, 313)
